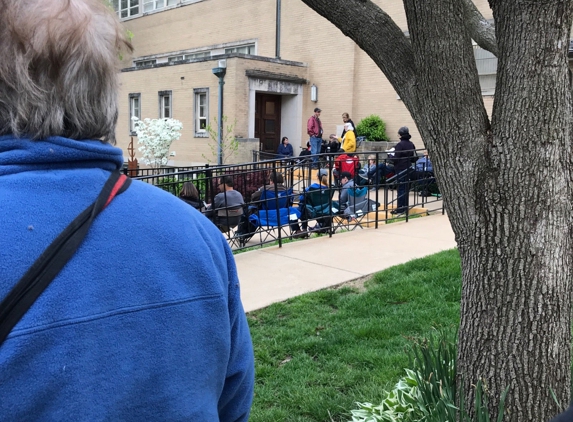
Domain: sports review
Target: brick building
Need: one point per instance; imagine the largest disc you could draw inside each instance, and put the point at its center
(275, 74)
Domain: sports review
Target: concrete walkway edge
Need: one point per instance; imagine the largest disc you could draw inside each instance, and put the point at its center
(274, 274)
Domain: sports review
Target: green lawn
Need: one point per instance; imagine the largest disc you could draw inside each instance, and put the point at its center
(317, 354)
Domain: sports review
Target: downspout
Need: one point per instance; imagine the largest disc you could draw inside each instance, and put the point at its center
(278, 30)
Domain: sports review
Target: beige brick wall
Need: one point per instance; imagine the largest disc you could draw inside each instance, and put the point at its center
(347, 79)
(182, 79)
(203, 24)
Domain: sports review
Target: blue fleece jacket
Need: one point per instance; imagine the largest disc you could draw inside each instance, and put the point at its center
(144, 323)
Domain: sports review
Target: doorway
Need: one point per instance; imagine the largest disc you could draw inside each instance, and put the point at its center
(268, 121)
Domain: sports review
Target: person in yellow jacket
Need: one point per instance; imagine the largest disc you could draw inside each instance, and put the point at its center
(348, 141)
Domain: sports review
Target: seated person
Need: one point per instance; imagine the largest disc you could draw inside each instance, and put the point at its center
(333, 144)
(373, 173)
(346, 162)
(424, 173)
(304, 154)
(285, 149)
(347, 183)
(190, 195)
(275, 181)
(219, 212)
(348, 141)
(323, 223)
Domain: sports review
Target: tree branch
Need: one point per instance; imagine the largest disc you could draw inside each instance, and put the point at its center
(377, 35)
(481, 31)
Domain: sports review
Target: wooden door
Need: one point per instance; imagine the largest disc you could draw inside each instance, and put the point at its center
(268, 121)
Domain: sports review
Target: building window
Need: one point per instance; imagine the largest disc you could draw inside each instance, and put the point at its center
(189, 56)
(165, 105)
(243, 49)
(142, 63)
(134, 110)
(151, 5)
(126, 8)
(197, 55)
(201, 112)
(487, 67)
(175, 58)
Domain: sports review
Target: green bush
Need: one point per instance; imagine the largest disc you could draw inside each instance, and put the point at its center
(373, 128)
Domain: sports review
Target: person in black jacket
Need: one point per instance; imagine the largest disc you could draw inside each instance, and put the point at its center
(346, 119)
(404, 152)
(190, 195)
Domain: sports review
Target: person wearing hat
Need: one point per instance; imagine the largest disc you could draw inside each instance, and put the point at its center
(348, 141)
(404, 151)
(314, 130)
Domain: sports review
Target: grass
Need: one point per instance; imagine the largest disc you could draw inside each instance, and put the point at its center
(317, 354)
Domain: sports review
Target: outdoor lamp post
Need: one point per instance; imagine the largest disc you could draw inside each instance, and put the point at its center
(220, 73)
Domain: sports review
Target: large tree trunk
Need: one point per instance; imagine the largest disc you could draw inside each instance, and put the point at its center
(516, 305)
(507, 184)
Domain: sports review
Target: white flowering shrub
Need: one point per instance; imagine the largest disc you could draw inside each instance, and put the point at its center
(155, 137)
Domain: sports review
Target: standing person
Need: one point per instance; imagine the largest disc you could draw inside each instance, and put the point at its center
(348, 141)
(144, 321)
(314, 130)
(404, 151)
(346, 119)
(285, 148)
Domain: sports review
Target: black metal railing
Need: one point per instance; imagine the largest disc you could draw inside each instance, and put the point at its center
(375, 193)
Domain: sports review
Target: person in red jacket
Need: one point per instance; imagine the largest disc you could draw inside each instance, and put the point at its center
(314, 130)
(346, 162)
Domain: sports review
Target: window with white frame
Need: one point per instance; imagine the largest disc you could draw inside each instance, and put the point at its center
(189, 56)
(197, 55)
(486, 64)
(243, 49)
(142, 63)
(201, 111)
(126, 8)
(165, 105)
(150, 5)
(134, 110)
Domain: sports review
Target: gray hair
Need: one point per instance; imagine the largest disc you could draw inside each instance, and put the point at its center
(59, 68)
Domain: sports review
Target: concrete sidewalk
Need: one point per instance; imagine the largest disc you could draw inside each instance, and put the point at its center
(274, 274)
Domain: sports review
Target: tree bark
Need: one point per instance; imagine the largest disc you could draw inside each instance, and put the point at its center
(507, 183)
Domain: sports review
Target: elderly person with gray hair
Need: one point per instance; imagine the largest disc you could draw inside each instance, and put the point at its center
(348, 141)
(119, 301)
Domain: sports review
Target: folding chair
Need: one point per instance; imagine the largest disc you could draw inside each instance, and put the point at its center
(275, 212)
(227, 220)
(359, 205)
(319, 206)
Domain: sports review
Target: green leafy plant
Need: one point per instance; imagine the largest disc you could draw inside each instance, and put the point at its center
(174, 184)
(373, 128)
(229, 142)
(428, 393)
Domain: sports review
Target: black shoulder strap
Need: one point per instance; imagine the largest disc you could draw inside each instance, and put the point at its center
(55, 257)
